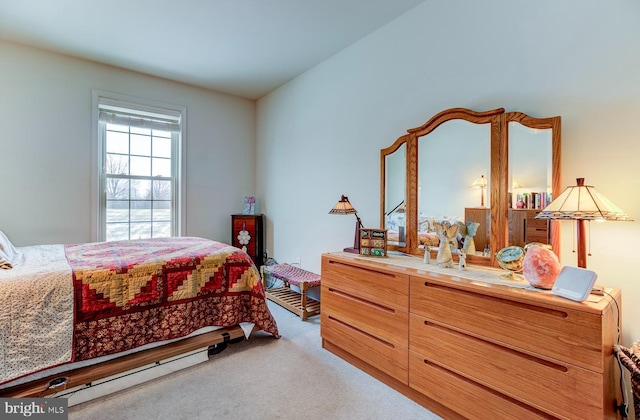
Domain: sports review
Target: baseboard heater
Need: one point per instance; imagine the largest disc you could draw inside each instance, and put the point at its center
(90, 382)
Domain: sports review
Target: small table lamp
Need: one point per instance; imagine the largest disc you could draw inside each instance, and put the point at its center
(480, 183)
(344, 207)
(582, 202)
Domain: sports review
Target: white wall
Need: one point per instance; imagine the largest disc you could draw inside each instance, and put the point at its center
(320, 135)
(45, 146)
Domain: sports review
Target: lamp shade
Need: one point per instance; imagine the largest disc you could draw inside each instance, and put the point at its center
(582, 202)
(400, 208)
(343, 207)
(479, 182)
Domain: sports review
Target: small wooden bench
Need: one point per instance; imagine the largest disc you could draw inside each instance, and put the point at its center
(298, 303)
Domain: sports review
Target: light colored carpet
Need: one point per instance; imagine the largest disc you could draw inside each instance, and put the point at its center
(262, 378)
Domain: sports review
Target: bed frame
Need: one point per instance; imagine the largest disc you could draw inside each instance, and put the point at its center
(216, 341)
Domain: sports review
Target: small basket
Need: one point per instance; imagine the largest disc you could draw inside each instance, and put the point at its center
(629, 359)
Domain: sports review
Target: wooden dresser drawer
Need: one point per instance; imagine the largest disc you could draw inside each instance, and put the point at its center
(537, 230)
(560, 333)
(563, 388)
(384, 322)
(533, 223)
(470, 399)
(536, 234)
(369, 281)
(537, 237)
(385, 356)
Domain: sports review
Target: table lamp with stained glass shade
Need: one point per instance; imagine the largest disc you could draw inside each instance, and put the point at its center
(344, 207)
(582, 202)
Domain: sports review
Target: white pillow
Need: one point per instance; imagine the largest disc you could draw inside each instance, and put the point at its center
(10, 251)
(393, 221)
(5, 264)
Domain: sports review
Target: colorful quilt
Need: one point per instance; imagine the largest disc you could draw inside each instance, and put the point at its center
(76, 302)
(131, 293)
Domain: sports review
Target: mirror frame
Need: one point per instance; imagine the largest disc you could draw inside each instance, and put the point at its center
(383, 170)
(553, 123)
(499, 177)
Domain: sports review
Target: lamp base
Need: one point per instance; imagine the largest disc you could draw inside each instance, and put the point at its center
(352, 250)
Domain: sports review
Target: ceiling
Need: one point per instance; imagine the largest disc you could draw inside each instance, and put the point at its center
(241, 47)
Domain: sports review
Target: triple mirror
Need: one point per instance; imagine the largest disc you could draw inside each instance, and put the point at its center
(493, 168)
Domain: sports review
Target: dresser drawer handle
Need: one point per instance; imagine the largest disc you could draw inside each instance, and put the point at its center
(361, 300)
(539, 309)
(355, 267)
(344, 324)
(537, 360)
(459, 377)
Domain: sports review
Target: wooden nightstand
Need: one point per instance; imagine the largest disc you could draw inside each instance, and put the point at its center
(253, 239)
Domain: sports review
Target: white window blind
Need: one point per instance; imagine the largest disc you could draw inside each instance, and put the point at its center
(139, 120)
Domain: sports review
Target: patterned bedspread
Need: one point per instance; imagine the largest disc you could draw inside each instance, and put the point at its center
(425, 238)
(131, 293)
(127, 294)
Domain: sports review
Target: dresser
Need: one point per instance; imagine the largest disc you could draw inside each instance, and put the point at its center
(248, 233)
(525, 228)
(468, 344)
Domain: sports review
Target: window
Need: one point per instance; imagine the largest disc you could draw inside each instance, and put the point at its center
(139, 149)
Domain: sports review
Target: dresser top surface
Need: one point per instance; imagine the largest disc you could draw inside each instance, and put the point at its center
(486, 280)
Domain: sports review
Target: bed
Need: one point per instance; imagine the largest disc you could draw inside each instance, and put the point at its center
(427, 235)
(72, 305)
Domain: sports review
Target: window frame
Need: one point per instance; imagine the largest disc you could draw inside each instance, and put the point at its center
(98, 158)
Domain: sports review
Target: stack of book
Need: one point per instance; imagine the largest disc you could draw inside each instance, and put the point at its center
(532, 200)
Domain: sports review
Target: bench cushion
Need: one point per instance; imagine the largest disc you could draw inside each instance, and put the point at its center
(293, 275)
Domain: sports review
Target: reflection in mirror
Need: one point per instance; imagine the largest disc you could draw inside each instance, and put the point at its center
(530, 182)
(529, 165)
(394, 195)
(450, 159)
(446, 154)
